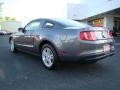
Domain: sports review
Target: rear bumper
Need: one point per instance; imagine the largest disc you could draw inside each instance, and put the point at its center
(93, 56)
(97, 56)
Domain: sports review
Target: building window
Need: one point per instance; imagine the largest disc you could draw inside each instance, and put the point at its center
(97, 22)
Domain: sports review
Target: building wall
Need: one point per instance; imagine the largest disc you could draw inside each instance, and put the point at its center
(88, 8)
(109, 22)
(11, 26)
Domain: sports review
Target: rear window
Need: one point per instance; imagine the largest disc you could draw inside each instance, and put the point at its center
(71, 23)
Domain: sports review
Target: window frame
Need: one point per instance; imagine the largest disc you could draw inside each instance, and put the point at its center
(47, 21)
(30, 23)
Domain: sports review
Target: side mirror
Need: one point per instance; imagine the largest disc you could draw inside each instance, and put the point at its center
(21, 29)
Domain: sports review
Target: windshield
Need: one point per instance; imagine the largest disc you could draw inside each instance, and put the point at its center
(71, 23)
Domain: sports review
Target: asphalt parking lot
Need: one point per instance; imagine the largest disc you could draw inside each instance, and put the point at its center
(22, 71)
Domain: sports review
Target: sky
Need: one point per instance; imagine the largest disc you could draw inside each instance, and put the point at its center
(24, 10)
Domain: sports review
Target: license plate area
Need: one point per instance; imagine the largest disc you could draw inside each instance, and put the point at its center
(106, 48)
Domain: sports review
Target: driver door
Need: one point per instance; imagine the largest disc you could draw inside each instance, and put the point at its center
(27, 40)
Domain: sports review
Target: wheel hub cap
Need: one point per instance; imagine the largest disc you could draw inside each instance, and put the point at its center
(47, 56)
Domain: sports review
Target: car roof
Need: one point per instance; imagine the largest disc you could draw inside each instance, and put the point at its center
(51, 19)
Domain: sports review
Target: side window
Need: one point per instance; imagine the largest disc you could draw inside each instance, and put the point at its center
(48, 25)
(33, 26)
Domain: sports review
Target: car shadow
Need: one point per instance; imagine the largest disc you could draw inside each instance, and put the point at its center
(68, 66)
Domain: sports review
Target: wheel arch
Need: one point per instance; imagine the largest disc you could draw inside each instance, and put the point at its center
(43, 42)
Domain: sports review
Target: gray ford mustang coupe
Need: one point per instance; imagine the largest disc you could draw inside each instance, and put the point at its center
(63, 39)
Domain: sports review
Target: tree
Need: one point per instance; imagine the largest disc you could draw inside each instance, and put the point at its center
(1, 3)
(1, 19)
(9, 18)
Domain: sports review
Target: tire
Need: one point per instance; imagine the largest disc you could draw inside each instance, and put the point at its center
(12, 46)
(49, 56)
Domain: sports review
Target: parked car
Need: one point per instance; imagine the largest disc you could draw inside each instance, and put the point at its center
(4, 32)
(63, 39)
(1, 33)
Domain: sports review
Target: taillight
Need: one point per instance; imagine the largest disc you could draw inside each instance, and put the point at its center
(88, 35)
(111, 34)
